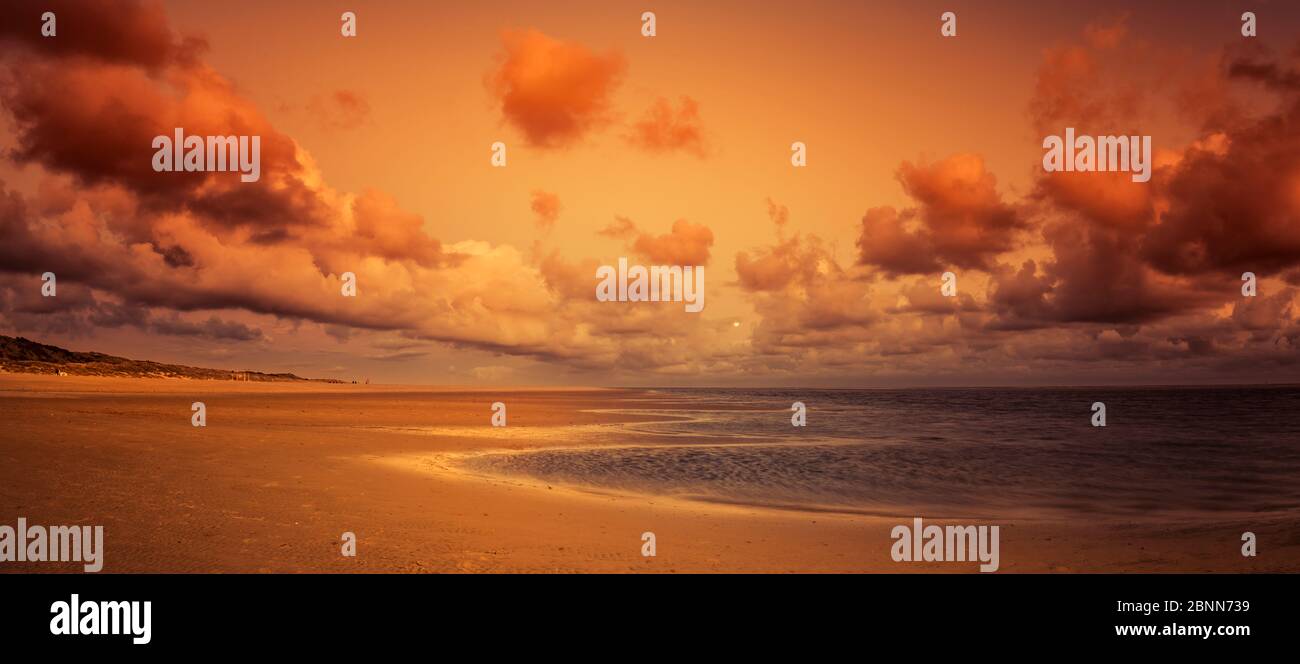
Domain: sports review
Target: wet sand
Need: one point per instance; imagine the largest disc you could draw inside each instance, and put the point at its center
(283, 469)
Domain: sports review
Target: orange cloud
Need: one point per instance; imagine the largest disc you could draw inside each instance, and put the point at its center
(166, 255)
(621, 227)
(807, 302)
(547, 208)
(554, 91)
(1106, 34)
(887, 243)
(663, 129)
(685, 243)
(1086, 270)
(343, 109)
(384, 229)
(961, 220)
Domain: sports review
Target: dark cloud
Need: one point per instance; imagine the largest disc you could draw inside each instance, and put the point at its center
(1131, 253)
(129, 32)
(77, 310)
(1234, 209)
(211, 328)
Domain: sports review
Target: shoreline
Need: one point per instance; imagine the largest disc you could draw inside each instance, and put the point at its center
(452, 466)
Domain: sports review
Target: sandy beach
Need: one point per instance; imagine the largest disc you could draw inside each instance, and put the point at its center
(283, 469)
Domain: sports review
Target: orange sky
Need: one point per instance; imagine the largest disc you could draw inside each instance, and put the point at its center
(924, 156)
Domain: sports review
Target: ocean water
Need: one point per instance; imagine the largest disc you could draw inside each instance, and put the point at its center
(1194, 452)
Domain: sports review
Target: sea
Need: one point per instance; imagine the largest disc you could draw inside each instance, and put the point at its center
(1196, 452)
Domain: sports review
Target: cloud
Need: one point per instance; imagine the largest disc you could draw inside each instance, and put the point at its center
(1099, 277)
(922, 296)
(1260, 66)
(95, 119)
(340, 110)
(1087, 267)
(547, 208)
(492, 374)
(621, 227)
(1087, 271)
(805, 299)
(1264, 315)
(1106, 34)
(79, 311)
(686, 243)
(663, 129)
(212, 327)
(133, 240)
(960, 220)
(1232, 206)
(1129, 253)
(775, 267)
(1077, 85)
(779, 214)
(129, 32)
(887, 242)
(383, 229)
(553, 91)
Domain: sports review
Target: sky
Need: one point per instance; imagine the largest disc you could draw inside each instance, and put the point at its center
(924, 156)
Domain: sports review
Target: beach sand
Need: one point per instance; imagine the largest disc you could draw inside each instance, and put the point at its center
(283, 469)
